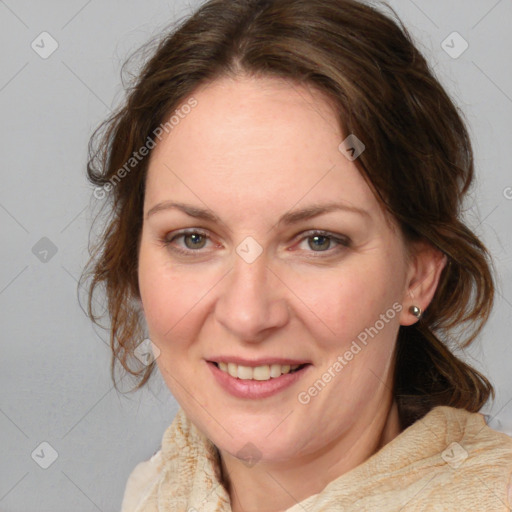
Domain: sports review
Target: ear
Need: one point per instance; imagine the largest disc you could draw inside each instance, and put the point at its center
(425, 267)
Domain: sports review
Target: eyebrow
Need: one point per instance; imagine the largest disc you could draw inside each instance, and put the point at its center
(289, 218)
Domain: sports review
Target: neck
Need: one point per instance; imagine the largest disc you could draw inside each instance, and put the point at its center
(275, 487)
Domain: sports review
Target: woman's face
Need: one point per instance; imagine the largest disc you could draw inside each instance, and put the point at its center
(255, 282)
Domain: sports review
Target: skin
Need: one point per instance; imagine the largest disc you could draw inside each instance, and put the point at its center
(252, 150)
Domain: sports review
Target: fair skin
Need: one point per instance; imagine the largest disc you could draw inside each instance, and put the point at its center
(252, 150)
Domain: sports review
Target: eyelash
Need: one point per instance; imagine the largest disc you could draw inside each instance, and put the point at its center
(343, 242)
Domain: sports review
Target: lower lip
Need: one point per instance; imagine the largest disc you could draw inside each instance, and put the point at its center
(255, 388)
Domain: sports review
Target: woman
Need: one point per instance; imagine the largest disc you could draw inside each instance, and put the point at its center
(285, 181)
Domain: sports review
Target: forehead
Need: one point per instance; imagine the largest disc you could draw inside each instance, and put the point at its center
(255, 141)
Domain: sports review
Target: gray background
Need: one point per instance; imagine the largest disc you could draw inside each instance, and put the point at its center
(55, 385)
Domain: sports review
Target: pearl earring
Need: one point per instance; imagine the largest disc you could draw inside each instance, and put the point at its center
(416, 311)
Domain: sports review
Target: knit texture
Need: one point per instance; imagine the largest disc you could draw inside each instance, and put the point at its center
(449, 460)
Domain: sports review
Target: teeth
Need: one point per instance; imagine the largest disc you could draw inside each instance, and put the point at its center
(244, 372)
(275, 370)
(233, 369)
(265, 372)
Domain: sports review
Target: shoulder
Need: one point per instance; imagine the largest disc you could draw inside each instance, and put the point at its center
(472, 430)
(179, 448)
(469, 435)
(477, 458)
(141, 481)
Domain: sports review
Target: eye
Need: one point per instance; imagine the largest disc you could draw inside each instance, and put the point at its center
(197, 240)
(322, 241)
(193, 240)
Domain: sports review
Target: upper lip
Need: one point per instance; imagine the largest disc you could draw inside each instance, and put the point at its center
(256, 362)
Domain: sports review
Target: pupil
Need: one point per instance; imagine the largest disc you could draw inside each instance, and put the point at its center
(324, 245)
(196, 241)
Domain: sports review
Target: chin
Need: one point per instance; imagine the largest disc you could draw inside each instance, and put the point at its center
(258, 441)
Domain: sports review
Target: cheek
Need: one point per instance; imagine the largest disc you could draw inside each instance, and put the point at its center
(167, 295)
(344, 303)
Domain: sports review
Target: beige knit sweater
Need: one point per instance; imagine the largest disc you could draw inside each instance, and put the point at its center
(450, 460)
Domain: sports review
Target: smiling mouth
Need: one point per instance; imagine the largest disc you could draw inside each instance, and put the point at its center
(260, 373)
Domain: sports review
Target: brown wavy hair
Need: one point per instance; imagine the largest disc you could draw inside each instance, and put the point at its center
(418, 160)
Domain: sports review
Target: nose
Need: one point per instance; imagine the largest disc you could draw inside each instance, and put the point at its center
(252, 302)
